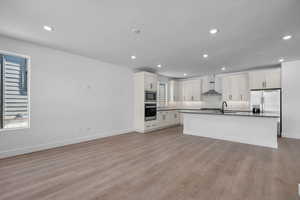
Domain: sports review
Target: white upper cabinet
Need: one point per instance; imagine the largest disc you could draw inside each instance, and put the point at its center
(218, 84)
(196, 90)
(191, 90)
(273, 78)
(150, 82)
(227, 88)
(205, 84)
(174, 90)
(186, 89)
(257, 79)
(235, 87)
(265, 79)
(243, 89)
(180, 90)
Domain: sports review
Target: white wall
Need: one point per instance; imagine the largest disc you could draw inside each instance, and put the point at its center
(291, 99)
(73, 99)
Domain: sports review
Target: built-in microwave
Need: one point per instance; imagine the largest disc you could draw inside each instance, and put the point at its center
(150, 96)
(150, 111)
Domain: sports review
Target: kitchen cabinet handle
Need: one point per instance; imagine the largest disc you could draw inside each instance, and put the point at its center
(241, 97)
(150, 85)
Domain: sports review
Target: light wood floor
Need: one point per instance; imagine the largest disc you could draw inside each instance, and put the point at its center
(163, 165)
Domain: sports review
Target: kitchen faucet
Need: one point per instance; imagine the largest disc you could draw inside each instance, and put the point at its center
(223, 103)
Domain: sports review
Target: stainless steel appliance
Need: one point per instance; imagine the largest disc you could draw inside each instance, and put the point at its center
(212, 91)
(150, 111)
(150, 96)
(267, 100)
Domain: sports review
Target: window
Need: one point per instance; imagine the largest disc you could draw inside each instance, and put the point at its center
(14, 108)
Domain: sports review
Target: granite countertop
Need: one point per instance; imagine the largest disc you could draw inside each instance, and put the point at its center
(232, 113)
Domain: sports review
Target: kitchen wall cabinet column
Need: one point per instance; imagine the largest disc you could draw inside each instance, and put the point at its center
(265, 79)
(236, 87)
(174, 90)
(150, 82)
(192, 90)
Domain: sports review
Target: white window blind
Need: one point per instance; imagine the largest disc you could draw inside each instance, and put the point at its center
(14, 92)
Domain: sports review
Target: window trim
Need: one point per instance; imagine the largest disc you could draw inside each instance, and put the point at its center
(28, 59)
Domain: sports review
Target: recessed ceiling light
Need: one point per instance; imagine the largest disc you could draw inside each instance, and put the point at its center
(213, 31)
(184, 74)
(223, 68)
(281, 60)
(287, 37)
(48, 28)
(133, 57)
(159, 65)
(205, 55)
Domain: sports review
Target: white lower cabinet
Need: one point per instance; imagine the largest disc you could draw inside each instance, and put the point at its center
(160, 118)
(151, 125)
(167, 118)
(176, 117)
(180, 118)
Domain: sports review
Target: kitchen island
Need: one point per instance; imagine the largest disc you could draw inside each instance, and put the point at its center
(243, 127)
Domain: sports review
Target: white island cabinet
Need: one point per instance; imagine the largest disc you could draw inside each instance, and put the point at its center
(255, 130)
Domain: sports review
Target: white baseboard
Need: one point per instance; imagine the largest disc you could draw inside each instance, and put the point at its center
(156, 128)
(20, 151)
(292, 136)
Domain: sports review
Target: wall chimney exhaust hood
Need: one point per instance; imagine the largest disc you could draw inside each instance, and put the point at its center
(212, 91)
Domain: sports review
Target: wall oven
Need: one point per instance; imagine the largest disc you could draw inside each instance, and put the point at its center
(150, 96)
(150, 111)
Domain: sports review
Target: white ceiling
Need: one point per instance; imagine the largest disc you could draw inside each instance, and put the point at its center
(174, 33)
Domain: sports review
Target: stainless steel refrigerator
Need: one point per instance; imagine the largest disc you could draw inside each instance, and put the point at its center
(268, 100)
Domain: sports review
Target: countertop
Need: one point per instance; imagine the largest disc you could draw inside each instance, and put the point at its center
(174, 108)
(244, 113)
(232, 113)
